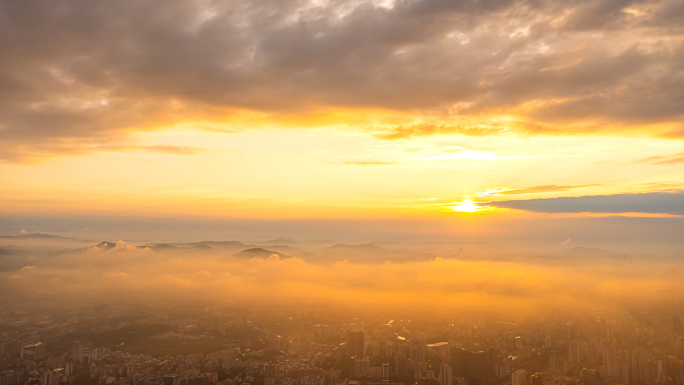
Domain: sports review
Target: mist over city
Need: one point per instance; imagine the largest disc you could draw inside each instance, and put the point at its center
(341, 192)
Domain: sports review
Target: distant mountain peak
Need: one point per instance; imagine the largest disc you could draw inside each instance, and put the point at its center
(259, 252)
(282, 240)
(366, 246)
(31, 236)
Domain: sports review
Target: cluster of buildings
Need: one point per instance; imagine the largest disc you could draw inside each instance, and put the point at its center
(313, 348)
(632, 351)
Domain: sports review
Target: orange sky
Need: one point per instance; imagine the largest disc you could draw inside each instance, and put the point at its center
(341, 110)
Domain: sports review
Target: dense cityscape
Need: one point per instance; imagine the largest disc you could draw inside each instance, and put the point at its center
(121, 343)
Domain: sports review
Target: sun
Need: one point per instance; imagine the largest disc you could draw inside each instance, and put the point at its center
(467, 206)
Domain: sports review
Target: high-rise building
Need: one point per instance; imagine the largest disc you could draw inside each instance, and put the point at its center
(445, 375)
(575, 355)
(610, 357)
(479, 367)
(47, 377)
(375, 372)
(537, 379)
(8, 377)
(76, 354)
(329, 377)
(422, 350)
(171, 379)
(507, 368)
(33, 351)
(624, 373)
(591, 353)
(86, 356)
(361, 367)
(414, 353)
(400, 366)
(519, 377)
(458, 361)
(373, 350)
(355, 344)
(558, 365)
(269, 371)
(610, 330)
(388, 350)
(589, 377)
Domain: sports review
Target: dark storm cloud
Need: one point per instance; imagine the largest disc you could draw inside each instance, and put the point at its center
(651, 203)
(77, 73)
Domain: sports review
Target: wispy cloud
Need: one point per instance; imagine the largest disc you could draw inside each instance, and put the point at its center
(498, 191)
(665, 159)
(543, 189)
(426, 129)
(174, 150)
(368, 163)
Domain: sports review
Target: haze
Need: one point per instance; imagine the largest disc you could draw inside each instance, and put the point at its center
(342, 192)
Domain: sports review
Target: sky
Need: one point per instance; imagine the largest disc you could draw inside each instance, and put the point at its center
(524, 120)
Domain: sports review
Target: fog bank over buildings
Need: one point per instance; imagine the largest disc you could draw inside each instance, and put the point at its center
(494, 279)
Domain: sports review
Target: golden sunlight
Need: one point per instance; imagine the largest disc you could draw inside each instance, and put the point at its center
(467, 206)
(409, 192)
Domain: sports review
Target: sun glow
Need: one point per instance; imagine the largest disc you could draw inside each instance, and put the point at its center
(467, 206)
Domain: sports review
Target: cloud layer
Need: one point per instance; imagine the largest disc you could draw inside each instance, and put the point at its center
(79, 74)
(581, 280)
(651, 203)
